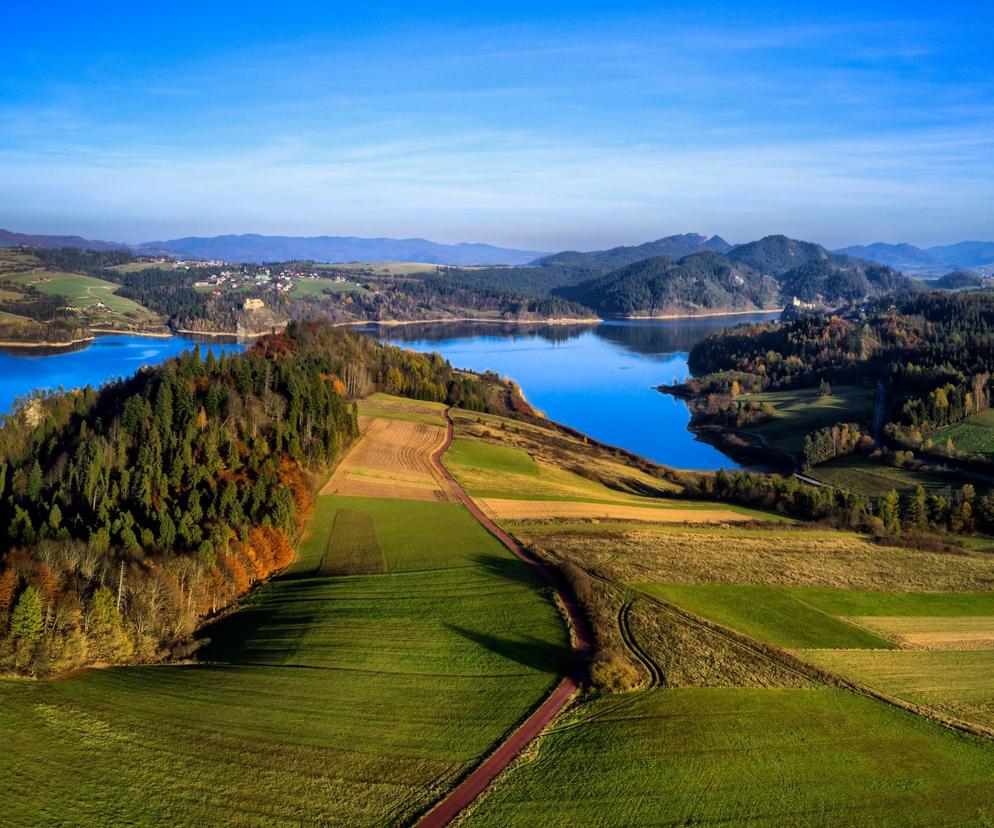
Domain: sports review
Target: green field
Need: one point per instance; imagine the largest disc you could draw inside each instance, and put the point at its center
(873, 478)
(809, 617)
(955, 683)
(318, 287)
(135, 267)
(385, 268)
(84, 292)
(346, 700)
(974, 435)
(389, 407)
(486, 469)
(745, 756)
(801, 411)
(413, 534)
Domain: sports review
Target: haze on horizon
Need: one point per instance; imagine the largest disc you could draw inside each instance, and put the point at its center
(551, 127)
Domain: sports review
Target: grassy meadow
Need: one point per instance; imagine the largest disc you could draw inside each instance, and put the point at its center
(318, 287)
(806, 617)
(954, 683)
(801, 411)
(402, 644)
(388, 407)
(974, 435)
(84, 292)
(861, 474)
(707, 756)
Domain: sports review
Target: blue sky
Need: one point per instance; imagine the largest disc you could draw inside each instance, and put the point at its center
(539, 125)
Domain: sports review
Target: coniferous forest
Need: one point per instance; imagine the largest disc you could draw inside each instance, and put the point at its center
(133, 511)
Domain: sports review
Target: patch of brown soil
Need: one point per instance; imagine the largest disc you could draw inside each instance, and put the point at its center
(507, 509)
(392, 460)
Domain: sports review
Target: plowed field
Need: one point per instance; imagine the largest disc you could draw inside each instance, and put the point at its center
(392, 460)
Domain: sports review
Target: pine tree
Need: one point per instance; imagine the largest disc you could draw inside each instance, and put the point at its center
(35, 482)
(103, 610)
(26, 620)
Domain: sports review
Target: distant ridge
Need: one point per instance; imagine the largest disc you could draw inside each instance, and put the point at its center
(252, 247)
(11, 239)
(962, 255)
(675, 247)
(256, 248)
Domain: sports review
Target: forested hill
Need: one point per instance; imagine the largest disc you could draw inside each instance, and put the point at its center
(917, 342)
(130, 512)
(932, 352)
(758, 275)
(603, 261)
(698, 283)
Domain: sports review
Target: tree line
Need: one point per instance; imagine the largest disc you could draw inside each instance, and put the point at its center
(128, 513)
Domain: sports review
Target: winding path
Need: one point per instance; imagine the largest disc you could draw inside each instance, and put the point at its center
(474, 784)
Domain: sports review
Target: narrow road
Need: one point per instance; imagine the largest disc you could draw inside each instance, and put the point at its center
(474, 784)
(878, 412)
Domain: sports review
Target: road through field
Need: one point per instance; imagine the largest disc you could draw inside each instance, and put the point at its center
(474, 784)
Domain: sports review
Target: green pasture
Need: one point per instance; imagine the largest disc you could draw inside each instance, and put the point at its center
(357, 699)
(974, 435)
(83, 292)
(388, 407)
(487, 469)
(955, 683)
(812, 617)
(873, 478)
(801, 411)
(744, 756)
(319, 287)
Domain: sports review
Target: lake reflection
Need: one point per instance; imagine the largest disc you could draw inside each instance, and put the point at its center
(600, 379)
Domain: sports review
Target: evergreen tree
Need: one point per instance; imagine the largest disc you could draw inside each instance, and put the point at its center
(35, 482)
(26, 620)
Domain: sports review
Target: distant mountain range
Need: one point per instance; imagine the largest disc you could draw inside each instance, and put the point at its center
(939, 259)
(256, 248)
(10, 239)
(252, 247)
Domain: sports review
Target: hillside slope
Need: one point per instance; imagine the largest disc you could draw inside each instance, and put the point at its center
(699, 283)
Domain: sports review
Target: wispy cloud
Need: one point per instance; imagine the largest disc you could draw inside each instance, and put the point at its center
(604, 130)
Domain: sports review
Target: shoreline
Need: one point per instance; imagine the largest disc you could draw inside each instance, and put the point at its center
(704, 315)
(556, 320)
(113, 332)
(66, 344)
(186, 332)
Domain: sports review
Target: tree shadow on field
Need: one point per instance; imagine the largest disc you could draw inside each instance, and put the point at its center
(508, 569)
(257, 632)
(528, 651)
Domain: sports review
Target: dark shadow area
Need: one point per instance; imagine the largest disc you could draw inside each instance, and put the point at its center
(509, 569)
(234, 637)
(528, 651)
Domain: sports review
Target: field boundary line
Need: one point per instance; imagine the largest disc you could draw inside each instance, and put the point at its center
(822, 675)
(480, 778)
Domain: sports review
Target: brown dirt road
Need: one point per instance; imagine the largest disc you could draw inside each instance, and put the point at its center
(474, 784)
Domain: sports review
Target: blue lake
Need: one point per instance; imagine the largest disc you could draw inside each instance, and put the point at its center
(106, 358)
(599, 379)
